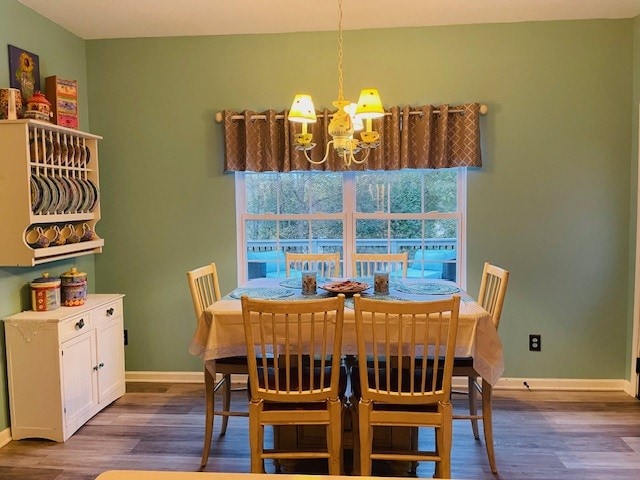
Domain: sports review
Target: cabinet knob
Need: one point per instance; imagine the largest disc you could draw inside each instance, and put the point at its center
(109, 312)
(95, 368)
(80, 324)
(100, 365)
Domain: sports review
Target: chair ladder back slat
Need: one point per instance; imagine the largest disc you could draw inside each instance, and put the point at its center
(493, 288)
(392, 346)
(203, 284)
(325, 264)
(366, 264)
(423, 343)
(411, 352)
(263, 350)
(297, 341)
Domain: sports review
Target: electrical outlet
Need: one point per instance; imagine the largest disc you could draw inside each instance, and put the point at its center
(535, 342)
(126, 337)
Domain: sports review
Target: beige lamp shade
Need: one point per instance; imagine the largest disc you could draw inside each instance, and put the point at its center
(369, 104)
(302, 109)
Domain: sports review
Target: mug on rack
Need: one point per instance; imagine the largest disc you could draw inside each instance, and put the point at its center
(52, 233)
(86, 233)
(61, 238)
(70, 234)
(36, 238)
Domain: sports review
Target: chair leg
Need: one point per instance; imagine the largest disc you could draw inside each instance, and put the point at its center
(473, 405)
(444, 440)
(355, 433)
(226, 402)
(366, 438)
(334, 437)
(487, 424)
(256, 437)
(209, 385)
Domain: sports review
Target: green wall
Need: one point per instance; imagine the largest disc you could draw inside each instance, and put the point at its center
(552, 202)
(63, 54)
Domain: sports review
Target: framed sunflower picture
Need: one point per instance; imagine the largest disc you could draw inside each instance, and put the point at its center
(24, 72)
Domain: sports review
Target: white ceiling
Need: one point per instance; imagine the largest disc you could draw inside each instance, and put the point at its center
(94, 19)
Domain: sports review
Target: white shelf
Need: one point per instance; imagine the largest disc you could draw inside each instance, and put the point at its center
(53, 165)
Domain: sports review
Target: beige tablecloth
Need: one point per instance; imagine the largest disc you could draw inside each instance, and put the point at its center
(220, 331)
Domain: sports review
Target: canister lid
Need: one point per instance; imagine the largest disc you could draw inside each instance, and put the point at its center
(45, 281)
(74, 274)
(38, 97)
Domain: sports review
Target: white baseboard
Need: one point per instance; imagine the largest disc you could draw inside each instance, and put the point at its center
(505, 383)
(587, 385)
(5, 436)
(165, 377)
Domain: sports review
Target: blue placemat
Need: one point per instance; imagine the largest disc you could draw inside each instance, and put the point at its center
(348, 302)
(370, 281)
(296, 282)
(427, 288)
(262, 293)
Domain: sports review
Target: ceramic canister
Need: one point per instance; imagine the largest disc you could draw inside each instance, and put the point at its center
(45, 293)
(10, 103)
(38, 107)
(74, 287)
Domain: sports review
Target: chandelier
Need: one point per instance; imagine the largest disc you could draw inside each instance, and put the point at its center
(347, 119)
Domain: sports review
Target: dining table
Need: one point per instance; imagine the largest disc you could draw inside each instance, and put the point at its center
(220, 329)
(220, 334)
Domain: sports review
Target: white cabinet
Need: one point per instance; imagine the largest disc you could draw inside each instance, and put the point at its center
(48, 178)
(64, 366)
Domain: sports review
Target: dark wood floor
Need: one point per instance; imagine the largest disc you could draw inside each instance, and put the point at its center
(539, 436)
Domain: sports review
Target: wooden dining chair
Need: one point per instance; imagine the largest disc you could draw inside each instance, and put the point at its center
(327, 265)
(493, 288)
(365, 264)
(396, 388)
(295, 375)
(204, 287)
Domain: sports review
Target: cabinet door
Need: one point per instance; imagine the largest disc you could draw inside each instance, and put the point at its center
(79, 379)
(110, 357)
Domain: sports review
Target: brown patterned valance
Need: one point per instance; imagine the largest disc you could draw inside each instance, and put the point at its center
(412, 137)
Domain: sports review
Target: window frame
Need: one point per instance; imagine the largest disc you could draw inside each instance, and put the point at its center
(349, 216)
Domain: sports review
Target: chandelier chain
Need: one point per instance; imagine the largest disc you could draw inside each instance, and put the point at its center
(340, 52)
(347, 118)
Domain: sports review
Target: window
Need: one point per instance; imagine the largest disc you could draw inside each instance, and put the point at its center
(417, 211)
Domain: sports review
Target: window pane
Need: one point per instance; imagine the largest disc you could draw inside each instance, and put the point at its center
(294, 235)
(262, 192)
(294, 195)
(327, 237)
(326, 192)
(305, 192)
(259, 232)
(441, 190)
(437, 257)
(265, 258)
(370, 192)
(406, 236)
(405, 191)
(371, 236)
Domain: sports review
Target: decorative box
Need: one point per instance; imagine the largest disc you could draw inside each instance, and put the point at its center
(63, 95)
